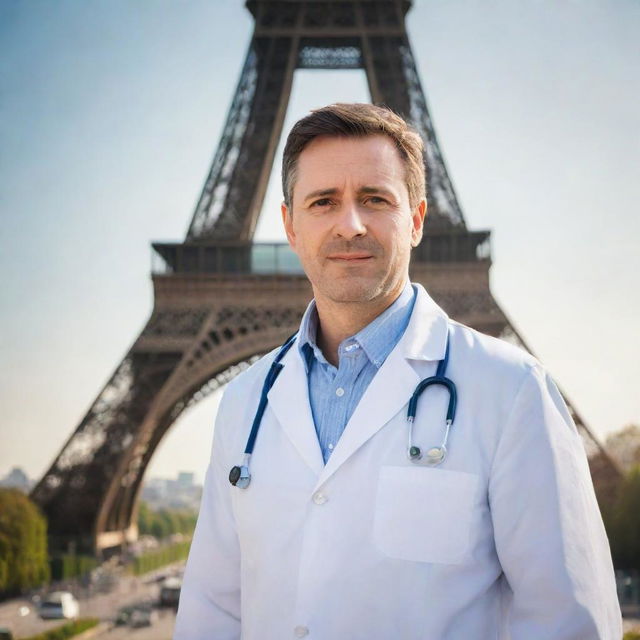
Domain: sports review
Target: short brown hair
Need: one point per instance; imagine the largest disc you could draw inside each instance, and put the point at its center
(354, 121)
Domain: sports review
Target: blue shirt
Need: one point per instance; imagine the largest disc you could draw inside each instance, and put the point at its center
(334, 393)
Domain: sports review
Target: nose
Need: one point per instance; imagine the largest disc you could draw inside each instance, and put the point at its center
(349, 223)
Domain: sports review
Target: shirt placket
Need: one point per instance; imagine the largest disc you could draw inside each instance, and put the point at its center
(340, 400)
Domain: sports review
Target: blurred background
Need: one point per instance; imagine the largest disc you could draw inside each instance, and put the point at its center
(110, 113)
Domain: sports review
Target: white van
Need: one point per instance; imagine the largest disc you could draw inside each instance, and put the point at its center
(59, 604)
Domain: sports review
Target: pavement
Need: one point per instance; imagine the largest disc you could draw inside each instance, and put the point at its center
(631, 624)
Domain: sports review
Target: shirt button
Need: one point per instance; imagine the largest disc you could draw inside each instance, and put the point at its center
(319, 498)
(300, 631)
(339, 392)
(330, 446)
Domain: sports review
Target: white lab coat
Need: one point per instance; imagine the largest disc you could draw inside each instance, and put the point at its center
(503, 540)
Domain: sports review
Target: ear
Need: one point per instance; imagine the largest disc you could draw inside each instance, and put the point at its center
(287, 222)
(417, 221)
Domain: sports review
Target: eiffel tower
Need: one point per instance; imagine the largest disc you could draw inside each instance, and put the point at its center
(221, 300)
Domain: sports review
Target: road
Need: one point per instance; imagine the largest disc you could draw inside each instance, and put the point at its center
(128, 590)
(104, 606)
(162, 629)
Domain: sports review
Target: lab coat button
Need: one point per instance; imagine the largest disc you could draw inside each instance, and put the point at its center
(300, 631)
(319, 498)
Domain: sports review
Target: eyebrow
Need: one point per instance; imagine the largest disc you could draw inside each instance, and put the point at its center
(382, 190)
(320, 193)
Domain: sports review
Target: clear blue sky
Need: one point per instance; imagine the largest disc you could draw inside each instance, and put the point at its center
(110, 112)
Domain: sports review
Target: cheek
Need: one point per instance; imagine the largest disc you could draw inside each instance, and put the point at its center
(307, 246)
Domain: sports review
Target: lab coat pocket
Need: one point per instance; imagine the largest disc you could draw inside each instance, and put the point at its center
(425, 514)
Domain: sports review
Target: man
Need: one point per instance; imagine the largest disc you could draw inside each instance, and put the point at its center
(340, 534)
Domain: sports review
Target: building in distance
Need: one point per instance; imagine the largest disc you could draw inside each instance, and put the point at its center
(17, 479)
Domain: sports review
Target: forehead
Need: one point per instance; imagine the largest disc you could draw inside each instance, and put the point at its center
(328, 162)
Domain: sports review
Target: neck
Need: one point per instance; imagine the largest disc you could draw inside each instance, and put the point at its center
(340, 320)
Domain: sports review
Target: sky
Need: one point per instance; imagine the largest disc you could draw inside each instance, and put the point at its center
(110, 113)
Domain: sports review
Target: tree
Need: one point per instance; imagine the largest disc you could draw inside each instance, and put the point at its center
(164, 522)
(623, 523)
(24, 561)
(624, 446)
(145, 518)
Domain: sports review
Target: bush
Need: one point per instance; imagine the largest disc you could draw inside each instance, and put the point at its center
(631, 635)
(64, 567)
(67, 630)
(23, 543)
(160, 558)
(161, 524)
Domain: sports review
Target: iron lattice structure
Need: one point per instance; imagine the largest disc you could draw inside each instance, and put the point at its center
(220, 300)
(306, 34)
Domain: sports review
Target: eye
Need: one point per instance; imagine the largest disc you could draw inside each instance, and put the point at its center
(322, 202)
(376, 200)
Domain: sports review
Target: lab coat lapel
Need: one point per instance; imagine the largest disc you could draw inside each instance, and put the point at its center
(391, 388)
(289, 400)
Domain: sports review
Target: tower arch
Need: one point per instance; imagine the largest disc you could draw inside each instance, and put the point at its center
(220, 299)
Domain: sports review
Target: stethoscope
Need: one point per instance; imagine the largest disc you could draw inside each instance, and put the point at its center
(240, 476)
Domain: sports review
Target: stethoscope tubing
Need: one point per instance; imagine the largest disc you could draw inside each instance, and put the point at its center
(274, 372)
(240, 475)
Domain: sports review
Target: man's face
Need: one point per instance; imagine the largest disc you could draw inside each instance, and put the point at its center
(350, 221)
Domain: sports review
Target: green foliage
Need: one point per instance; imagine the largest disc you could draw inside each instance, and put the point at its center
(624, 446)
(23, 543)
(67, 630)
(622, 521)
(145, 518)
(165, 522)
(631, 635)
(64, 567)
(160, 558)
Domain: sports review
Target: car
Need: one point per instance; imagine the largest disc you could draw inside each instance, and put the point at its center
(142, 617)
(59, 604)
(123, 615)
(138, 614)
(170, 592)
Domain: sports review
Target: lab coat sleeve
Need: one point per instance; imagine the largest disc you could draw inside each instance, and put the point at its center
(548, 530)
(210, 595)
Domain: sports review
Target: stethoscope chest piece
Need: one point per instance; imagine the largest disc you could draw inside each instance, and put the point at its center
(414, 454)
(239, 476)
(434, 456)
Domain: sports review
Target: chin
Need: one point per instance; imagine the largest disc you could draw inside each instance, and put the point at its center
(353, 292)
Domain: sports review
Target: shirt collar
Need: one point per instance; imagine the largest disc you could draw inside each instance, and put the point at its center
(377, 339)
(307, 336)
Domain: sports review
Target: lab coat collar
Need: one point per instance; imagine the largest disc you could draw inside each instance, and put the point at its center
(426, 335)
(289, 400)
(424, 340)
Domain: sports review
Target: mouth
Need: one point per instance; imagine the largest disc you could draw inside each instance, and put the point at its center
(350, 257)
